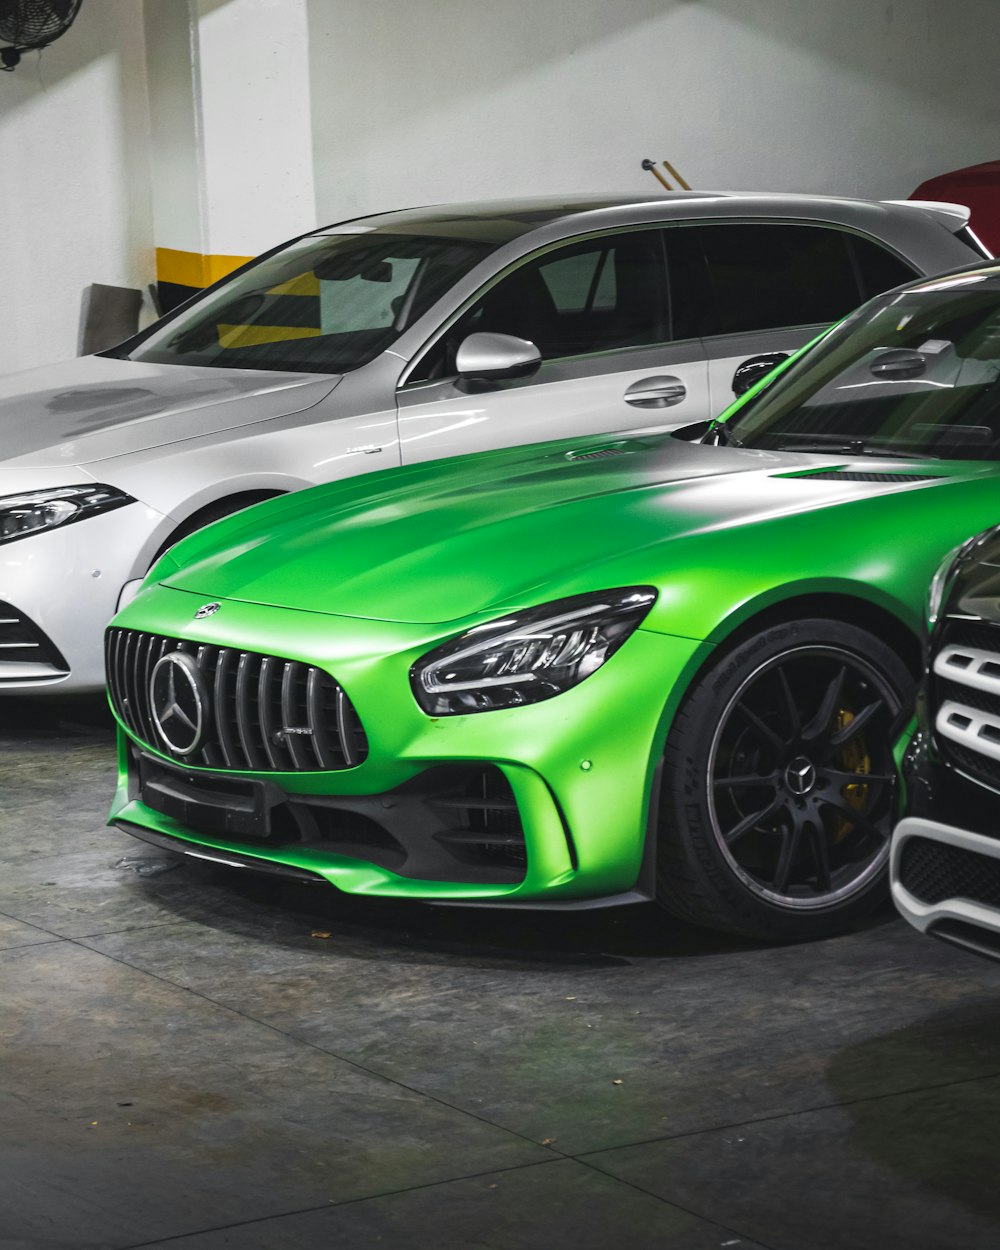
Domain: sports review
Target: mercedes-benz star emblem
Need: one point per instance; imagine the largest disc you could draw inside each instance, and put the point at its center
(207, 609)
(178, 699)
(800, 776)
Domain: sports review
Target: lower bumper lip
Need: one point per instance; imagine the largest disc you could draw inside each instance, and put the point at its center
(269, 868)
(229, 859)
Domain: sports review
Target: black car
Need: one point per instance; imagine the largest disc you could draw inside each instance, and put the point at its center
(946, 852)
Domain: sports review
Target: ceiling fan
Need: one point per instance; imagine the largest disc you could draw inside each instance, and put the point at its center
(29, 24)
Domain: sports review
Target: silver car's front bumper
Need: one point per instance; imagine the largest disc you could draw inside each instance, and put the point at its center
(66, 583)
(956, 918)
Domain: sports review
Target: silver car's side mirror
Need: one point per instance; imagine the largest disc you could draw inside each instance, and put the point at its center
(488, 357)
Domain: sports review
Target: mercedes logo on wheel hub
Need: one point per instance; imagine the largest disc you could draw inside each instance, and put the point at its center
(179, 703)
(800, 776)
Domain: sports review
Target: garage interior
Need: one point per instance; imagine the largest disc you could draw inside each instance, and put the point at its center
(196, 1059)
(201, 1058)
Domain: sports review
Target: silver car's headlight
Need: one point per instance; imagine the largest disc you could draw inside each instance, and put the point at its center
(36, 510)
(528, 656)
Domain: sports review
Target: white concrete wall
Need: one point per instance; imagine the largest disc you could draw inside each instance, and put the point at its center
(418, 101)
(253, 65)
(231, 137)
(176, 157)
(75, 204)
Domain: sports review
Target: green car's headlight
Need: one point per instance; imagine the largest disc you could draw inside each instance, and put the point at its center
(528, 656)
(35, 510)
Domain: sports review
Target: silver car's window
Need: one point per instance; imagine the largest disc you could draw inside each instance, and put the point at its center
(913, 374)
(878, 269)
(765, 275)
(602, 294)
(324, 304)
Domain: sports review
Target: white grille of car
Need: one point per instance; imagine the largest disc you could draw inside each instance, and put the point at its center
(974, 727)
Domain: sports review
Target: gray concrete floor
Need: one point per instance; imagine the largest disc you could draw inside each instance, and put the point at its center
(201, 1060)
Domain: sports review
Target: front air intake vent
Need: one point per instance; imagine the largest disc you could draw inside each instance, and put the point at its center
(934, 872)
(22, 642)
(216, 707)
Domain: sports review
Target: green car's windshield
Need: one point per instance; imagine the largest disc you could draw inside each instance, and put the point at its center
(915, 373)
(325, 304)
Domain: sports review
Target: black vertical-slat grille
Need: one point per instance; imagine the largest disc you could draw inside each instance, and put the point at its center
(261, 713)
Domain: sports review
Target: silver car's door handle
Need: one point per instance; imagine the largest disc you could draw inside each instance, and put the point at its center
(659, 392)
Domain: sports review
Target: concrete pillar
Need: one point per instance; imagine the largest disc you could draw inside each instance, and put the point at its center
(232, 155)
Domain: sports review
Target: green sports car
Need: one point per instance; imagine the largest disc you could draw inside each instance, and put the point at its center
(583, 672)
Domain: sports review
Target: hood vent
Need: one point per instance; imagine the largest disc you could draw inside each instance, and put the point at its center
(860, 475)
(598, 453)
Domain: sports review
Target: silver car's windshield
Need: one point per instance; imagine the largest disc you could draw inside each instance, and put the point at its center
(325, 304)
(913, 374)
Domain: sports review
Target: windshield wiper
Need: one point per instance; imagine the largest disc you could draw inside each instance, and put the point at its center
(853, 447)
(721, 431)
(890, 453)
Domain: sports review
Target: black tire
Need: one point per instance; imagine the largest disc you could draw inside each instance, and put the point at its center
(775, 814)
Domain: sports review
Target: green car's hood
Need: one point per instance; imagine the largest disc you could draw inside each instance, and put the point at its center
(443, 541)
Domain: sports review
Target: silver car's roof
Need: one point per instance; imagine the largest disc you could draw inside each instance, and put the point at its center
(501, 221)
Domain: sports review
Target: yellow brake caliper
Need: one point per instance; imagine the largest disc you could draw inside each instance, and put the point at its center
(854, 758)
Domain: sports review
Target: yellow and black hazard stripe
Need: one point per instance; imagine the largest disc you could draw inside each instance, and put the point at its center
(179, 275)
(293, 310)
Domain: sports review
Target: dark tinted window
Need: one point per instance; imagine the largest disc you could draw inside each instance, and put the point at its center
(690, 314)
(764, 276)
(878, 269)
(599, 295)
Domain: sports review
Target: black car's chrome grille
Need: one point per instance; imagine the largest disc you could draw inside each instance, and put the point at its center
(966, 633)
(980, 767)
(263, 714)
(967, 732)
(21, 641)
(933, 872)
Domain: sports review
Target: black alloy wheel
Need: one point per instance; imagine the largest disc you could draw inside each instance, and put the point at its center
(780, 789)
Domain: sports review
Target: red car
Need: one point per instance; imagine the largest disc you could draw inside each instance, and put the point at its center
(978, 187)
